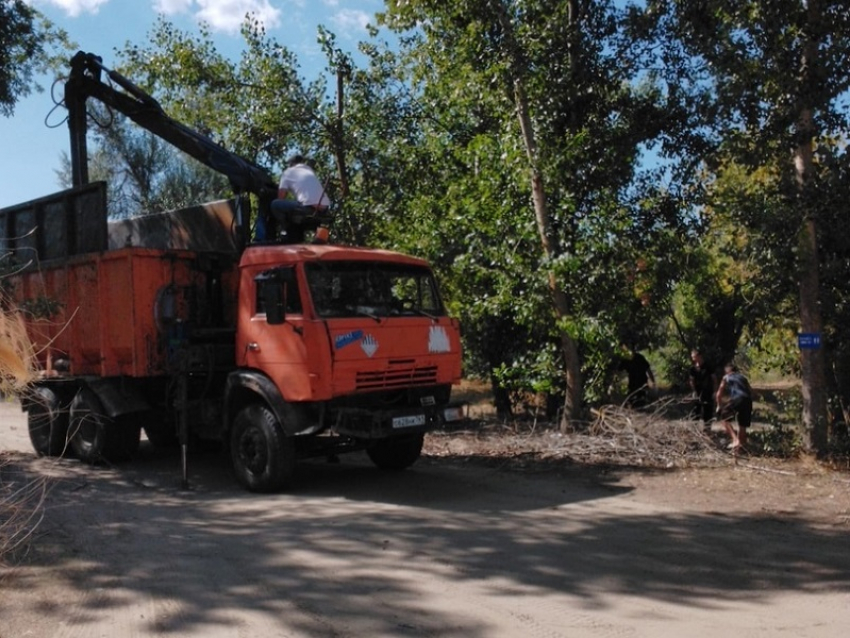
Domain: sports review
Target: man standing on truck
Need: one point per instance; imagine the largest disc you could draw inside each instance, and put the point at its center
(299, 189)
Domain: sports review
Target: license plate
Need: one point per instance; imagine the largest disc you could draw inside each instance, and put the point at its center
(409, 421)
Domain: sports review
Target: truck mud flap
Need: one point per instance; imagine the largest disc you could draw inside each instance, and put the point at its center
(117, 396)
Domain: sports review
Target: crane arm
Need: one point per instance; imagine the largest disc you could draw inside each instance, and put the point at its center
(85, 82)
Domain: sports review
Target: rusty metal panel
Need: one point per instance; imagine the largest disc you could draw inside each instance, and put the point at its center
(25, 236)
(58, 226)
(117, 313)
(152, 272)
(88, 219)
(85, 322)
(53, 226)
(205, 228)
(42, 291)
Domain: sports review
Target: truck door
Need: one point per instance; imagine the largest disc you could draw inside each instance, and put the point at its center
(272, 340)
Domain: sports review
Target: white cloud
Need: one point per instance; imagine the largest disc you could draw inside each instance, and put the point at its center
(75, 7)
(222, 15)
(170, 7)
(228, 15)
(348, 20)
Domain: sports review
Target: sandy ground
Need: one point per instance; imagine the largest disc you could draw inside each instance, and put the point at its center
(451, 547)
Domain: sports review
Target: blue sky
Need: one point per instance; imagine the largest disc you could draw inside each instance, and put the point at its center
(34, 138)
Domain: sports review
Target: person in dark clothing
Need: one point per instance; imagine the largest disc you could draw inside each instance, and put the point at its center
(703, 384)
(734, 400)
(640, 377)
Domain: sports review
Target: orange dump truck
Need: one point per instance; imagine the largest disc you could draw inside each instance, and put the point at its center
(280, 351)
(176, 324)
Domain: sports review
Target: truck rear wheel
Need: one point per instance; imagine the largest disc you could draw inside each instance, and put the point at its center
(87, 427)
(263, 456)
(396, 453)
(95, 437)
(46, 422)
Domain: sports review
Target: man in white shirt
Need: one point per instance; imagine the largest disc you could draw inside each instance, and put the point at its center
(299, 189)
(301, 182)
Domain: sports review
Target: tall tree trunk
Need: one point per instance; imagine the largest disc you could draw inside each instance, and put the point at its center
(811, 359)
(569, 350)
(338, 137)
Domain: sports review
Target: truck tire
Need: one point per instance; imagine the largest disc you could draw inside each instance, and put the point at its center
(87, 427)
(263, 456)
(396, 453)
(95, 437)
(47, 422)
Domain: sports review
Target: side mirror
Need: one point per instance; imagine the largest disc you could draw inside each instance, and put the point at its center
(274, 286)
(275, 297)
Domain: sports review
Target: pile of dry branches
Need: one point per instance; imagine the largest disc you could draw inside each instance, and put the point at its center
(17, 357)
(21, 497)
(649, 437)
(21, 509)
(617, 435)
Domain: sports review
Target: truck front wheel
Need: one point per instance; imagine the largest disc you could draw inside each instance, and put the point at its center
(263, 456)
(396, 453)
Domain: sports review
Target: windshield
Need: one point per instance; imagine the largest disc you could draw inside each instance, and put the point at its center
(372, 289)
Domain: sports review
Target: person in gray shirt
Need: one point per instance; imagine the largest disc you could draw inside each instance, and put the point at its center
(734, 401)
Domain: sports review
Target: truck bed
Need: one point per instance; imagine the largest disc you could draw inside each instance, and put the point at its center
(122, 312)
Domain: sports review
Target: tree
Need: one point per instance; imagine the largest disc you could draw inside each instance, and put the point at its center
(545, 101)
(777, 70)
(259, 108)
(143, 173)
(27, 42)
(834, 240)
(738, 284)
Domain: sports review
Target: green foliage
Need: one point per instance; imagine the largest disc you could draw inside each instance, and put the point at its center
(614, 232)
(834, 239)
(786, 408)
(777, 440)
(143, 173)
(771, 77)
(259, 108)
(29, 44)
(427, 154)
(738, 292)
(783, 411)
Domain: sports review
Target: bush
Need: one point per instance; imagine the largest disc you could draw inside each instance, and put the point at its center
(777, 440)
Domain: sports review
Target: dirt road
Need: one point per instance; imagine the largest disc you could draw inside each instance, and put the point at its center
(445, 549)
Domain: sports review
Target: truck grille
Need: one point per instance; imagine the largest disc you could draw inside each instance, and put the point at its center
(396, 378)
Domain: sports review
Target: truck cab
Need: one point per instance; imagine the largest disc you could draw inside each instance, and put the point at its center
(349, 348)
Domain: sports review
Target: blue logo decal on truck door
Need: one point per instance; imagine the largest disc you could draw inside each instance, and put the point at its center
(340, 341)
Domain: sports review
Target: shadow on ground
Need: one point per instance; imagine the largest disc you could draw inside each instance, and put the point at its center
(349, 534)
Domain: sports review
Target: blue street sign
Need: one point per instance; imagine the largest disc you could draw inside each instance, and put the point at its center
(808, 340)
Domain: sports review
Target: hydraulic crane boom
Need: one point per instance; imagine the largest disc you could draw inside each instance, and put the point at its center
(85, 82)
